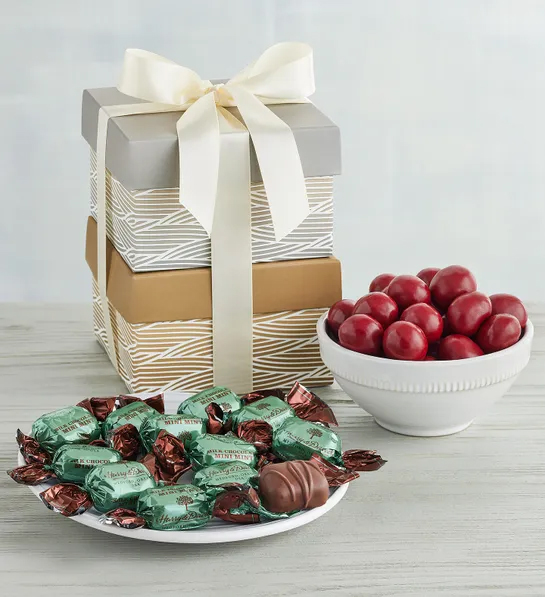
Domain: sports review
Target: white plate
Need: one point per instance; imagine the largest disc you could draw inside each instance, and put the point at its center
(216, 531)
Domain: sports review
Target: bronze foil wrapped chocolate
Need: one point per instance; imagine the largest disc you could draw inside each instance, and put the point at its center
(215, 422)
(238, 504)
(353, 460)
(168, 460)
(126, 440)
(31, 474)
(259, 394)
(156, 402)
(124, 518)
(363, 460)
(66, 499)
(334, 474)
(308, 406)
(291, 486)
(258, 433)
(100, 408)
(267, 458)
(31, 449)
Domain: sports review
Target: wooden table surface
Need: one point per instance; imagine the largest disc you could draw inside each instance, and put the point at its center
(454, 516)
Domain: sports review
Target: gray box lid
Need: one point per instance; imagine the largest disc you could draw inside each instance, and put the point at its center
(142, 150)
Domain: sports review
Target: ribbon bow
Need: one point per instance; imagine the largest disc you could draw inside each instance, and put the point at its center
(282, 74)
(215, 176)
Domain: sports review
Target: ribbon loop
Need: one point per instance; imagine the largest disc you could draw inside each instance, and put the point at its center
(282, 74)
(154, 78)
(276, 153)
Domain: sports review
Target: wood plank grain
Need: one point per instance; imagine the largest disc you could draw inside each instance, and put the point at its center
(456, 516)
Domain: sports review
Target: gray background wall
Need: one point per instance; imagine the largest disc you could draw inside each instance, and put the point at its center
(441, 104)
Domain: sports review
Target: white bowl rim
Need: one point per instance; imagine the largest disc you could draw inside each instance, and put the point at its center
(526, 339)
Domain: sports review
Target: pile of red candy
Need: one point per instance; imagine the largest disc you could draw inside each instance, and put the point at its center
(437, 314)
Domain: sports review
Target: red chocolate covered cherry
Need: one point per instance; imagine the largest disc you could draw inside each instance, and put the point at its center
(457, 346)
(427, 318)
(467, 312)
(498, 332)
(507, 303)
(427, 274)
(407, 290)
(405, 341)
(449, 283)
(379, 306)
(381, 282)
(362, 334)
(338, 313)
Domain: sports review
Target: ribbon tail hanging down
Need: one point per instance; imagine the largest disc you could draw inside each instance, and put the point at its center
(199, 159)
(232, 311)
(279, 162)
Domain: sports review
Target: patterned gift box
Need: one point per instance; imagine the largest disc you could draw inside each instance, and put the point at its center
(153, 232)
(147, 224)
(177, 355)
(155, 134)
(161, 346)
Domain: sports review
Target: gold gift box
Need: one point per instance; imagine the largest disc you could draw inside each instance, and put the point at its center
(163, 328)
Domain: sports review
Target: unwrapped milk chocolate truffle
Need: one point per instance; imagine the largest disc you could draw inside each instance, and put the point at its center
(293, 485)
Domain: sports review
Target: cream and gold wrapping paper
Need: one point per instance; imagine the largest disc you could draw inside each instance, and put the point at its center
(177, 355)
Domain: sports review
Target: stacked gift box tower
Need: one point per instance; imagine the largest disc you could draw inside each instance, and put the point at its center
(159, 257)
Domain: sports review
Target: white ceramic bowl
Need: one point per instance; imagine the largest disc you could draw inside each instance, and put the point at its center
(425, 398)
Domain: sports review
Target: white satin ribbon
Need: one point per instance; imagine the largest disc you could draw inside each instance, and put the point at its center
(206, 136)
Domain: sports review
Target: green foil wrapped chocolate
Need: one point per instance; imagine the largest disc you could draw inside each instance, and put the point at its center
(134, 413)
(213, 479)
(184, 427)
(270, 409)
(210, 449)
(196, 405)
(70, 425)
(174, 508)
(118, 485)
(73, 462)
(296, 439)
